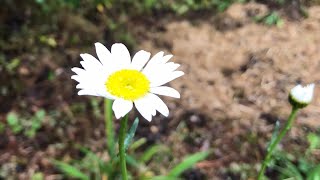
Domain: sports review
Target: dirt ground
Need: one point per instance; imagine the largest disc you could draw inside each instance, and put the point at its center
(237, 81)
(237, 77)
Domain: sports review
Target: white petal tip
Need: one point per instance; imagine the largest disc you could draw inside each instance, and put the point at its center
(80, 93)
(74, 77)
(166, 114)
(99, 45)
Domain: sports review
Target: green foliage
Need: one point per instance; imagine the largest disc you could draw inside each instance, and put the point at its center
(109, 127)
(37, 176)
(271, 19)
(187, 163)
(131, 133)
(27, 126)
(314, 173)
(314, 141)
(150, 152)
(50, 41)
(95, 104)
(10, 66)
(140, 7)
(243, 170)
(49, 6)
(281, 2)
(274, 134)
(299, 167)
(70, 170)
(2, 127)
(93, 166)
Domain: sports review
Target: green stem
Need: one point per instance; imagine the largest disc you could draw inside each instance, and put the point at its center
(274, 144)
(122, 151)
(109, 127)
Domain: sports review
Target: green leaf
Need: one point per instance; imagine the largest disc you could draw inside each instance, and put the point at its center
(274, 135)
(14, 123)
(37, 176)
(109, 127)
(137, 144)
(14, 63)
(12, 119)
(147, 155)
(2, 127)
(40, 114)
(290, 171)
(105, 166)
(131, 133)
(132, 161)
(164, 178)
(314, 141)
(314, 174)
(187, 163)
(70, 171)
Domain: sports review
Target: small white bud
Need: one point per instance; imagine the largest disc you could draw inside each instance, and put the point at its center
(301, 96)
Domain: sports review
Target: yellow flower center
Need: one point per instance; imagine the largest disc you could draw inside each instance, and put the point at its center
(128, 84)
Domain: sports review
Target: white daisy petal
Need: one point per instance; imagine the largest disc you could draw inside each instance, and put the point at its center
(101, 91)
(166, 58)
(159, 105)
(89, 62)
(156, 59)
(76, 78)
(121, 55)
(121, 107)
(103, 54)
(140, 59)
(171, 66)
(87, 92)
(163, 80)
(144, 107)
(78, 70)
(166, 91)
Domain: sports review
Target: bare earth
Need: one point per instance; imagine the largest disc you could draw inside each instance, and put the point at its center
(237, 82)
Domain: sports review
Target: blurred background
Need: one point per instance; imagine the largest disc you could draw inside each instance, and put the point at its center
(240, 57)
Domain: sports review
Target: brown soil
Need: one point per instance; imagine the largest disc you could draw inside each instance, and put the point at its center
(237, 82)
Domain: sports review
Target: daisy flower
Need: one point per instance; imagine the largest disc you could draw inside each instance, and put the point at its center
(128, 82)
(301, 96)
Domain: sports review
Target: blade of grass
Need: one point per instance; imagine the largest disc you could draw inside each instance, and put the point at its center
(70, 171)
(132, 161)
(187, 163)
(147, 155)
(105, 167)
(274, 134)
(131, 133)
(137, 144)
(314, 174)
(109, 127)
(164, 178)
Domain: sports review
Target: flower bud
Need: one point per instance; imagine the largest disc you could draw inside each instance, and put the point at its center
(301, 96)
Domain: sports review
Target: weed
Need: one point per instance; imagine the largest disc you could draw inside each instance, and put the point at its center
(270, 19)
(27, 126)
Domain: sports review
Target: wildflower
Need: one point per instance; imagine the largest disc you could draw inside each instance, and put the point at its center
(301, 96)
(138, 81)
